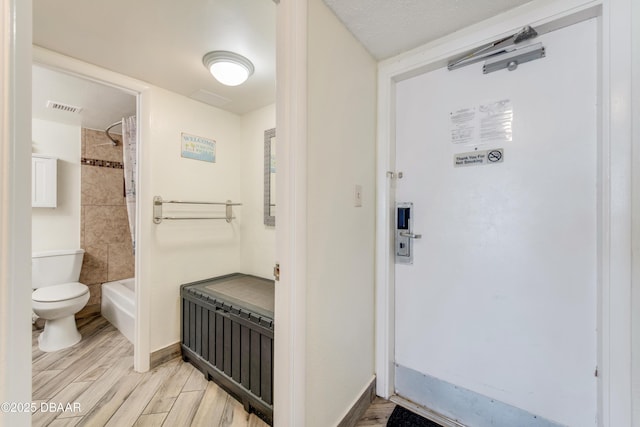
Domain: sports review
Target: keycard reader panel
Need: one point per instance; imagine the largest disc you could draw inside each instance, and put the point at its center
(404, 233)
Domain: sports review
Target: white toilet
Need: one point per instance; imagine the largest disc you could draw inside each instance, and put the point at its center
(58, 296)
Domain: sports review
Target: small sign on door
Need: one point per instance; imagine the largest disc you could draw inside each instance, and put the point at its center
(477, 158)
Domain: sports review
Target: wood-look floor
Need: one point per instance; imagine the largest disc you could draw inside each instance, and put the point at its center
(97, 376)
(377, 414)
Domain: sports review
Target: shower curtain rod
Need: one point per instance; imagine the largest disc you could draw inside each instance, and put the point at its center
(115, 141)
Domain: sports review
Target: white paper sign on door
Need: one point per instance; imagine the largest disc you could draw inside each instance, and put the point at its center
(489, 122)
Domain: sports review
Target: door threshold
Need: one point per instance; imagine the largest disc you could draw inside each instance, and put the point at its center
(425, 412)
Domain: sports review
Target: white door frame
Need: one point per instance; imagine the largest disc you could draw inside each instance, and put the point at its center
(15, 208)
(138, 89)
(289, 400)
(614, 176)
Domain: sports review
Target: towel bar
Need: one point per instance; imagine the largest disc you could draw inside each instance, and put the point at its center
(158, 217)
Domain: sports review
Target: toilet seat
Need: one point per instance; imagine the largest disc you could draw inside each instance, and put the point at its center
(62, 292)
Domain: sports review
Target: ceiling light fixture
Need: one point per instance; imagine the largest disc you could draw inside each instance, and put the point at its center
(228, 68)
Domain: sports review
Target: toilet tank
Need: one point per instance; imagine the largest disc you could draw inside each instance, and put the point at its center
(55, 267)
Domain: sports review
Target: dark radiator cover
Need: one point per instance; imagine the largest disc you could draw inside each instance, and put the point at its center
(227, 333)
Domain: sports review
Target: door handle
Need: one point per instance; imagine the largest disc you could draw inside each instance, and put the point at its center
(410, 235)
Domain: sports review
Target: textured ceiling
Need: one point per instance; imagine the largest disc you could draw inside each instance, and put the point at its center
(387, 28)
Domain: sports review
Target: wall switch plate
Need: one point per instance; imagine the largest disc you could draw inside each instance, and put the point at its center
(357, 196)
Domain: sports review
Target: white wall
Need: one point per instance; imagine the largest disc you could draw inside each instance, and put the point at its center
(186, 251)
(340, 243)
(257, 240)
(195, 250)
(58, 228)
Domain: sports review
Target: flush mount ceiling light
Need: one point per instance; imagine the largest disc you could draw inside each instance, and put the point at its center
(228, 68)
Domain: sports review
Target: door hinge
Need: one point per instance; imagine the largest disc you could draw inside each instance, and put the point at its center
(596, 372)
(276, 272)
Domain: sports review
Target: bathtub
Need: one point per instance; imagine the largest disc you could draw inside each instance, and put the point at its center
(119, 305)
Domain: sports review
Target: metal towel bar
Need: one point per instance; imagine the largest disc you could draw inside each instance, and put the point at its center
(158, 202)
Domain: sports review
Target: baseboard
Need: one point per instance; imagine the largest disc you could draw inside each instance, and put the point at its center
(158, 357)
(360, 406)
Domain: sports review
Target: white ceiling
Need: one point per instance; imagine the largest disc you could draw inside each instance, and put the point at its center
(101, 105)
(162, 41)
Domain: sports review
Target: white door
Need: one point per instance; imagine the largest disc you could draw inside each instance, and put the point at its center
(496, 317)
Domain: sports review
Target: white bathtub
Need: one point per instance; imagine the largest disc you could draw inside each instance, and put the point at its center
(119, 305)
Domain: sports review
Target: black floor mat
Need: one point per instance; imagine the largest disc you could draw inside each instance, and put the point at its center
(401, 417)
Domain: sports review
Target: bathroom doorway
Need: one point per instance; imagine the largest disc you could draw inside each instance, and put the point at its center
(70, 116)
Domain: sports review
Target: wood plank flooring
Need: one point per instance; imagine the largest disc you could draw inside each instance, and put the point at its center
(93, 384)
(96, 378)
(377, 414)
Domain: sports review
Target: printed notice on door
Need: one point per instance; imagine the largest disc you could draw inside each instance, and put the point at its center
(496, 121)
(486, 123)
(463, 126)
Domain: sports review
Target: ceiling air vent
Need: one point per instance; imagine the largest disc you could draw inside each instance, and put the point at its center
(63, 107)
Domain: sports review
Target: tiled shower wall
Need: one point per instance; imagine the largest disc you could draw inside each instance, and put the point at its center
(104, 234)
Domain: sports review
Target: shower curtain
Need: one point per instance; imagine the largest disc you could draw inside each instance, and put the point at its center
(129, 145)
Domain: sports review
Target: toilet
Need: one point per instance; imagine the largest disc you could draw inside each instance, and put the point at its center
(58, 296)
